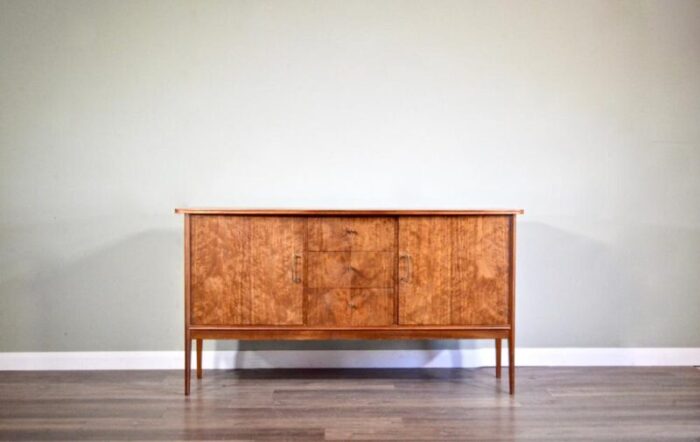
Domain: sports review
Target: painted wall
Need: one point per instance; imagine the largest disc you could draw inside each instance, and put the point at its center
(112, 113)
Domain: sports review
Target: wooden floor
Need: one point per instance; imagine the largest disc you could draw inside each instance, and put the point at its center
(308, 405)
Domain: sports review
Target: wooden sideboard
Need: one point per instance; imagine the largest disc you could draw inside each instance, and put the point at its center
(349, 274)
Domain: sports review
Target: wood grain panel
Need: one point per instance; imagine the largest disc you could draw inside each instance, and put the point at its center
(242, 270)
(350, 269)
(352, 233)
(457, 270)
(276, 297)
(350, 307)
(480, 270)
(424, 283)
(219, 279)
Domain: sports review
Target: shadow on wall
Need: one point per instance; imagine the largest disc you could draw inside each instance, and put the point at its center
(121, 297)
(633, 287)
(570, 289)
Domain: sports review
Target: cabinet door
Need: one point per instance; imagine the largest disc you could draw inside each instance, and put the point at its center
(424, 270)
(454, 270)
(276, 274)
(246, 270)
(219, 265)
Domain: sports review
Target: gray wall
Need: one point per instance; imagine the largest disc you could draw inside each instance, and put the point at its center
(112, 113)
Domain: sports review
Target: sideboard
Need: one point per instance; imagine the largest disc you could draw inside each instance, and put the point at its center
(349, 274)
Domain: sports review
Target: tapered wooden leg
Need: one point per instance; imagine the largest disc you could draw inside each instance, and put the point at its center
(199, 358)
(188, 357)
(498, 358)
(511, 364)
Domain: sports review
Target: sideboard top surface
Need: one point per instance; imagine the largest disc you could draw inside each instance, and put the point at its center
(346, 212)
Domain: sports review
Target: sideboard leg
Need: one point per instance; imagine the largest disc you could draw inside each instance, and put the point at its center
(188, 357)
(511, 363)
(199, 358)
(498, 358)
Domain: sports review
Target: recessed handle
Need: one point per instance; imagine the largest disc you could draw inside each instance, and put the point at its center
(295, 266)
(409, 264)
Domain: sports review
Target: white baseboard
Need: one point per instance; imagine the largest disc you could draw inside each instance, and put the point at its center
(479, 357)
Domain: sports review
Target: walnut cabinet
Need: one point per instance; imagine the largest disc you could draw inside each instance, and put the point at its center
(336, 274)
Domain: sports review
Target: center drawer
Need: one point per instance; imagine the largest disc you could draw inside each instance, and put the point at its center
(350, 269)
(350, 307)
(343, 233)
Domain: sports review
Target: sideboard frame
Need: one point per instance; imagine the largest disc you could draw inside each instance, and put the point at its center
(200, 332)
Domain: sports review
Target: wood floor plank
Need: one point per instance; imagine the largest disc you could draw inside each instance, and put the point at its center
(552, 404)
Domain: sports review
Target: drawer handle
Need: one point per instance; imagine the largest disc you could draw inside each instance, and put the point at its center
(409, 268)
(295, 273)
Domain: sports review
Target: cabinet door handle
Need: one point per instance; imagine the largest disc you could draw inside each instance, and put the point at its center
(295, 273)
(409, 264)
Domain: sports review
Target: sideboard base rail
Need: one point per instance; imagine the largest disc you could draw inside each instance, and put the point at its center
(339, 333)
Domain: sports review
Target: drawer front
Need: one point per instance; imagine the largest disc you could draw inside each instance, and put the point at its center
(350, 307)
(350, 269)
(336, 234)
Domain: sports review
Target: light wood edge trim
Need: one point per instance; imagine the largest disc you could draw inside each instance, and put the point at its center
(305, 283)
(188, 268)
(396, 253)
(511, 306)
(348, 328)
(306, 334)
(334, 212)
